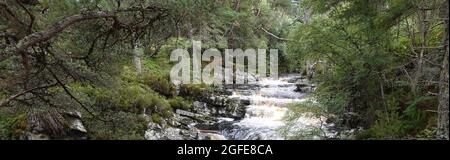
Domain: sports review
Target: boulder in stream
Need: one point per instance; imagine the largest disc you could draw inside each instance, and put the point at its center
(222, 107)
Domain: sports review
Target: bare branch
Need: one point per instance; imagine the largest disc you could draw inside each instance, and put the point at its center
(32, 18)
(275, 36)
(9, 14)
(67, 91)
(13, 97)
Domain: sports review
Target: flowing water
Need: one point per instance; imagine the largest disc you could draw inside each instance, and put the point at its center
(264, 116)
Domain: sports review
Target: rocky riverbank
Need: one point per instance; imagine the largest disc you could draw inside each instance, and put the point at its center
(237, 112)
(195, 124)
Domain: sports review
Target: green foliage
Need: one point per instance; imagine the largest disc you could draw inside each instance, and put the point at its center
(335, 102)
(412, 111)
(194, 91)
(366, 64)
(121, 104)
(387, 126)
(413, 122)
(198, 92)
(180, 103)
(123, 126)
(2, 95)
(12, 126)
(157, 67)
(427, 133)
(6, 124)
(162, 107)
(396, 10)
(284, 4)
(309, 110)
(131, 96)
(5, 64)
(160, 84)
(156, 119)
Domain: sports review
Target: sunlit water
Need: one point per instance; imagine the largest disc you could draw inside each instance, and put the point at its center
(264, 116)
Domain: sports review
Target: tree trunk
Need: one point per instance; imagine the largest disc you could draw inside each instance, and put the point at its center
(443, 121)
(443, 100)
(418, 73)
(308, 70)
(423, 30)
(137, 59)
(307, 15)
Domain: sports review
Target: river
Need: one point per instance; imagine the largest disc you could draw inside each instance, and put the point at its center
(265, 115)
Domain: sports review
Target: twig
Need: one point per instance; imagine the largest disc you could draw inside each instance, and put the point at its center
(275, 36)
(5, 102)
(72, 96)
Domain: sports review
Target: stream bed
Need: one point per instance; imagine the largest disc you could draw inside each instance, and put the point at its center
(268, 106)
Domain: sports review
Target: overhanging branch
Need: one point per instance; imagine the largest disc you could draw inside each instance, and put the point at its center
(13, 97)
(43, 36)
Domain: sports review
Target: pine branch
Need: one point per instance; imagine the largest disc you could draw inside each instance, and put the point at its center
(43, 36)
(14, 97)
(275, 36)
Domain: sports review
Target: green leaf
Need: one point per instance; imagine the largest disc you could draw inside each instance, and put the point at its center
(412, 111)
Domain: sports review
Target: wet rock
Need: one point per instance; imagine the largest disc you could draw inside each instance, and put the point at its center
(205, 126)
(36, 136)
(304, 87)
(173, 134)
(183, 121)
(191, 134)
(186, 118)
(236, 108)
(221, 107)
(55, 125)
(157, 132)
(296, 79)
(201, 108)
(224, 125)
(212, 136)
(175, 121)
(154, 132)
(35, 130)
(227, 92)
(76, 127)
(234, 87)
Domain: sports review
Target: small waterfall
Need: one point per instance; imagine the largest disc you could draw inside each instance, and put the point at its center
(264, 116)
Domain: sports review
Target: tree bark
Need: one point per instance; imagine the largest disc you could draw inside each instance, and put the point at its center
(423, 30)
(443, 121)
(307, 15)
(137, 59)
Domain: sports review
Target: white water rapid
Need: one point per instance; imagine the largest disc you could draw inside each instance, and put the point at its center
(264, 116)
